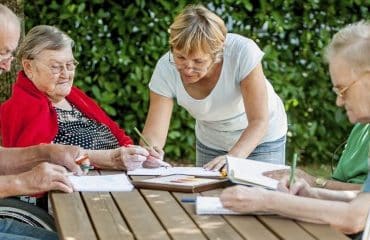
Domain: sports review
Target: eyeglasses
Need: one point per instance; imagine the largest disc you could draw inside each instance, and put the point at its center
(340, 91)
(181, 63)
(7, 56)
(59, 68)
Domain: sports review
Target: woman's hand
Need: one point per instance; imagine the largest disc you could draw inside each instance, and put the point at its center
(216, 164)
(299, 187)
(128, 158)
(279, 174)
(155, 158)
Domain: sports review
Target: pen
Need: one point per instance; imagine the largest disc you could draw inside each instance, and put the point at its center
(142, 137)
(164, 164)
(188, 199)
(292, 170)
(84, 163)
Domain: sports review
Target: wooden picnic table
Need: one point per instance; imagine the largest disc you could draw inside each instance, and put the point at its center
(153, 214)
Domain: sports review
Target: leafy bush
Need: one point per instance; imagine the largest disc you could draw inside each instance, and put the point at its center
(119, 42)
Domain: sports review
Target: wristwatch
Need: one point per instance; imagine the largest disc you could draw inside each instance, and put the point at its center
(321, 182)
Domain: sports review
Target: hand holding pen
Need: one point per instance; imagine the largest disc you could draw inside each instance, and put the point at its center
(295, 186)
(84, 162)
(155, 159)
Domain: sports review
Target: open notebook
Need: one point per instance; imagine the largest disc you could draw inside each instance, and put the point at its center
(101, 183)
(250, 172)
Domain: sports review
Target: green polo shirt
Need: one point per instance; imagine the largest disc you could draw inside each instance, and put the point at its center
(353, 164)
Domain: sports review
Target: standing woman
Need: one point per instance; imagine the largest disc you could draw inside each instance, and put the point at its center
(218, 78)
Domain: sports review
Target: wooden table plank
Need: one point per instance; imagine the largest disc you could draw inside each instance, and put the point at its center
(178, 224)
(285, 228)
(139, 216)
(105, 216)
(321, 231)
(71, 217)
(214, 226)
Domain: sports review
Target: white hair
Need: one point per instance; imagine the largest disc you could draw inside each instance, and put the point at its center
(7, 16)
(352, 43)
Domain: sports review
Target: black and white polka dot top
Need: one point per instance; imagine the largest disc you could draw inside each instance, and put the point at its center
(76, 129)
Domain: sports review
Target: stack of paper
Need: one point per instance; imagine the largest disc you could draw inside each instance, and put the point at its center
(101, 183)
(250, 172)
(162, 171)
(211, 205)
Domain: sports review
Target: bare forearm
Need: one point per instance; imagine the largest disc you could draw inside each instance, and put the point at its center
(249, 139)
(16, 160)
(336, 185)
(10, 185)
(327, 194)
(100, 158)
(155, 137)
(336, 213)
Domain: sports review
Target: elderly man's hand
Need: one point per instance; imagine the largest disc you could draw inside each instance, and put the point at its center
(64, 155)
(279, 174)
(244, 199)
(300, 187)
(42, 178)
(128, 158)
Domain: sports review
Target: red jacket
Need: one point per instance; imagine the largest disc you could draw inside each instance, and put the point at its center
(28, 117)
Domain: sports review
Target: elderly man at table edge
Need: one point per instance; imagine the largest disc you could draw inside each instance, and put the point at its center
(28, 168)
(349, 66)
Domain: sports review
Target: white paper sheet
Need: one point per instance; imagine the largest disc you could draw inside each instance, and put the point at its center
(195, 171)
(102, 183)
(211, 205)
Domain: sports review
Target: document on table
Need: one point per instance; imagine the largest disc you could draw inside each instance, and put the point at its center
(194, 171)
(102, 183)
(213, 205)
(250, 172)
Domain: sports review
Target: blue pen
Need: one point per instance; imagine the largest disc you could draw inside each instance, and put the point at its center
(188, 200)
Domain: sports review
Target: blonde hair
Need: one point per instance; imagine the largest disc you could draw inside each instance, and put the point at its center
(8, 16)
(43, 37)
(353, 44)
(198, 29)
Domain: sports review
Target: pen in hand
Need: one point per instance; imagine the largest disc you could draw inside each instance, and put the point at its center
(142, 137)
(84, 163)
(146, 142)
(292, 170)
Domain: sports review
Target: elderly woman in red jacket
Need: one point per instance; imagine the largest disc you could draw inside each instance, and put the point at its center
(45, 107)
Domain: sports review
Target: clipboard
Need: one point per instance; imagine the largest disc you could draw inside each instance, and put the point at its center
(181, 183)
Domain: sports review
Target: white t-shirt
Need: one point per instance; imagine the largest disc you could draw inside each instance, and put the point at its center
(220, 117)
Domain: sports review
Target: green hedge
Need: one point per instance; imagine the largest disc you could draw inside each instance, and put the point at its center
(118, 44)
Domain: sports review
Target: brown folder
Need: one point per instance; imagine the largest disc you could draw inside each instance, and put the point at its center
(181, 183)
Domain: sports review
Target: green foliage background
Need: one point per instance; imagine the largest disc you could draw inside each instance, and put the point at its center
(119, 42)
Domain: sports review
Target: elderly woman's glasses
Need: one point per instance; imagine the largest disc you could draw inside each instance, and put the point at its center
(58, 68)
(6, 57)
(181, 63)
(340, 91)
